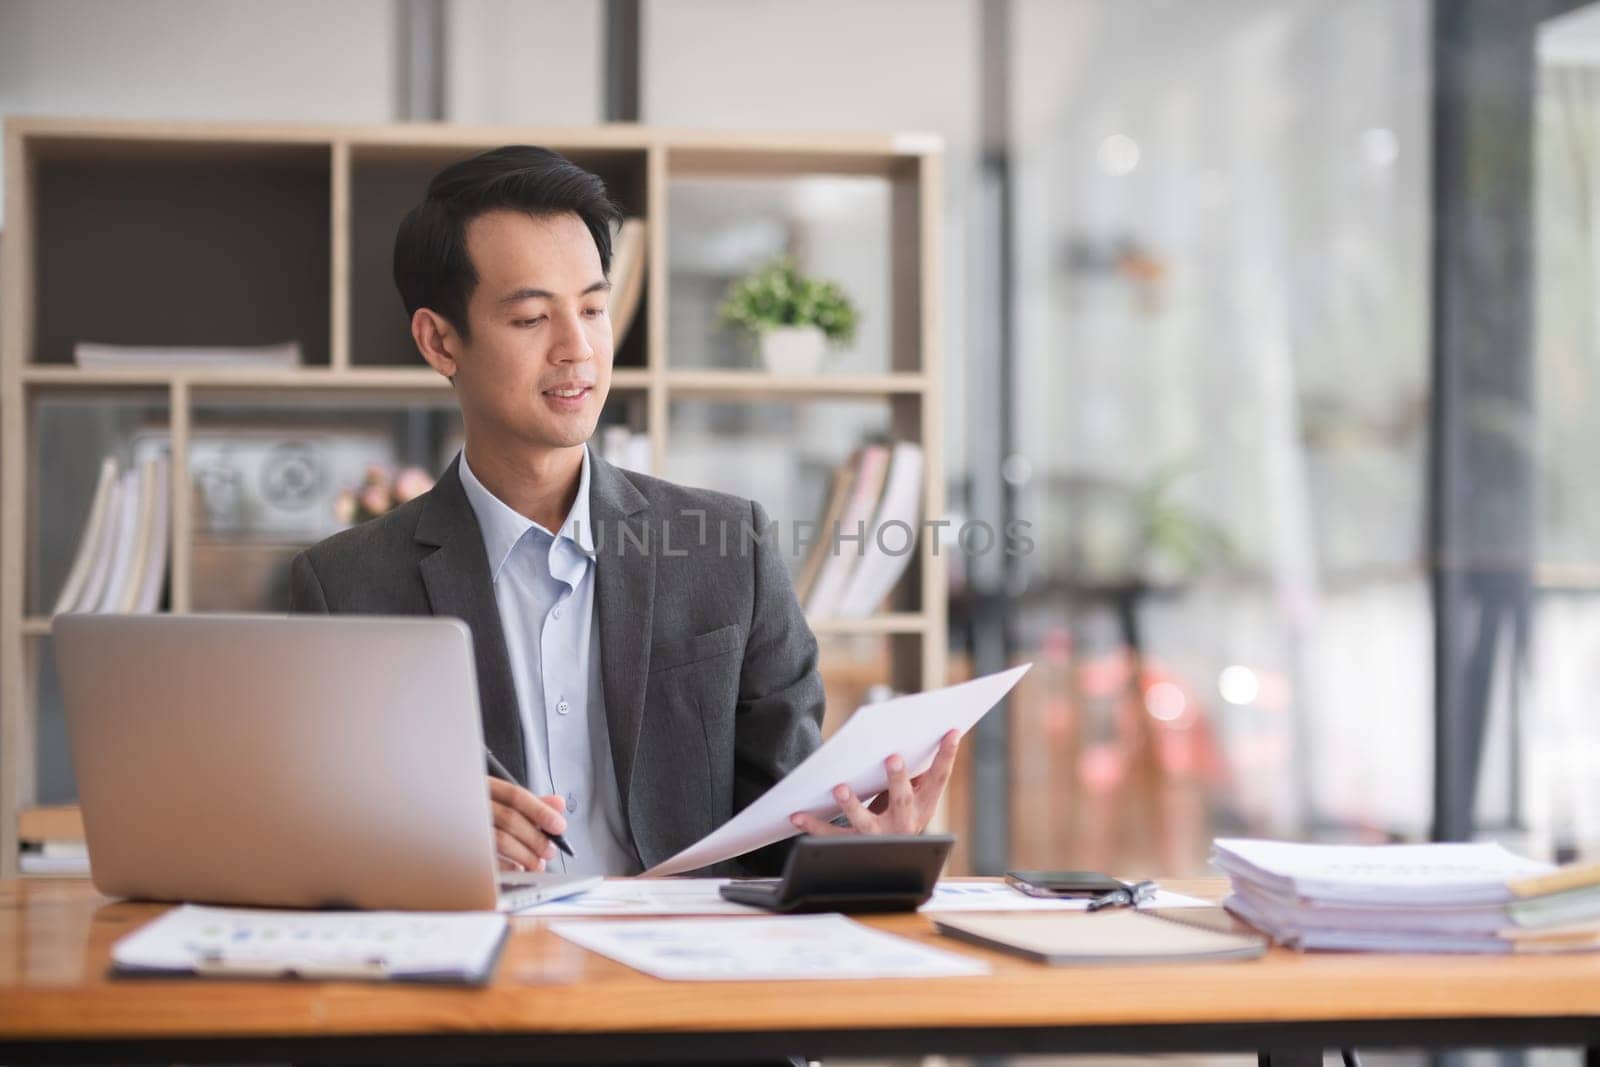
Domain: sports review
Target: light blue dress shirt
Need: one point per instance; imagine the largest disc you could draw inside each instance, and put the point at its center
(544, 587)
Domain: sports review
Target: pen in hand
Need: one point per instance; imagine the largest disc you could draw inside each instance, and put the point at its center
(498, 769)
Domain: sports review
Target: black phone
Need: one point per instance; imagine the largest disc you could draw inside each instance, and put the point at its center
(1063, 883)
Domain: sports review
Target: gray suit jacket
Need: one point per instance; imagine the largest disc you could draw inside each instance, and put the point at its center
(708, 667)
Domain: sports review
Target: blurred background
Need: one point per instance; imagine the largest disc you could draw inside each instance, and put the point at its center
(1276, 320)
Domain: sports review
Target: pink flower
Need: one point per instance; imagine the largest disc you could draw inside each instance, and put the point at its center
(411, 483)
(375, 499)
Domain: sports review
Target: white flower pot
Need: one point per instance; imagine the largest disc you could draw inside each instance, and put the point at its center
(793, 349)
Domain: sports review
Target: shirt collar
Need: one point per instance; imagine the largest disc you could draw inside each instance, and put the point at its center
(503, 526)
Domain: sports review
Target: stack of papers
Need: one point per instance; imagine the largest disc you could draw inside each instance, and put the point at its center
(1406, 898)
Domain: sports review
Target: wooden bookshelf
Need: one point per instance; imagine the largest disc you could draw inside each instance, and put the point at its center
(306, 214)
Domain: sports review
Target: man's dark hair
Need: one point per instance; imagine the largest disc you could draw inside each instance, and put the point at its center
(431, 265)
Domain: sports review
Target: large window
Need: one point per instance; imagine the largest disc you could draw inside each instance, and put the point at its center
(1561, 801)
(1221, 305)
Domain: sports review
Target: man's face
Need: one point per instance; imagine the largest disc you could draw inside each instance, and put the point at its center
(538, 367)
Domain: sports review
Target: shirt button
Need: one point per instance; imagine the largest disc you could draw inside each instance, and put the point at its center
(556, 613)
(563, 707)
(572, 803)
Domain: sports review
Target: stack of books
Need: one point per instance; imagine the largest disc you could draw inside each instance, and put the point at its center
(868, 532)
(121, 562)
(1461, 898)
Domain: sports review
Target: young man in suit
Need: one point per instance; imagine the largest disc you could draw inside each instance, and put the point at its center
(644, 668)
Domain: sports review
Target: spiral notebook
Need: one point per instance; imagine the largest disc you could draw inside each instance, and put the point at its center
(1125, 935)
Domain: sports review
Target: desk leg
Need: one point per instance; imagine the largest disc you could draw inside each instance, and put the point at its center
(1289, 1057)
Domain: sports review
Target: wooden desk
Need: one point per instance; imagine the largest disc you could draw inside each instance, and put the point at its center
(553, 1001)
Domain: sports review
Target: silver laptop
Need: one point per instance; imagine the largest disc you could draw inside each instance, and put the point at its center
(309, 761)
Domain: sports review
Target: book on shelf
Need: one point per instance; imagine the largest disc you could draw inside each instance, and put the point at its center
(628, 269)
(124, 540)
(91, 355)
(89, 540)
(844, 479)
(892, 537)
(868, 533)
(104, 545)
(871, 464)
(121, 562)
(146, 596)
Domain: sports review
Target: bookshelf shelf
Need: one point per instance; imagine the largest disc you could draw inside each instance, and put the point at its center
(755, 384)
(397, 378)
(313, 264)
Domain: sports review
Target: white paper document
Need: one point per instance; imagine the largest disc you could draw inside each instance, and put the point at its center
(910, 726)
(645, 896)
(700, 896)
(778, 949)
(425, 946)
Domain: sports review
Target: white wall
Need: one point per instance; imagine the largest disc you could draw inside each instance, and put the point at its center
(524, 61)
(289, 59)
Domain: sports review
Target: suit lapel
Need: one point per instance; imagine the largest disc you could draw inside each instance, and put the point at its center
(625, 585)
(456, 576)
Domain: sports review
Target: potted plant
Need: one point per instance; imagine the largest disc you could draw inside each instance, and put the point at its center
(792, 316)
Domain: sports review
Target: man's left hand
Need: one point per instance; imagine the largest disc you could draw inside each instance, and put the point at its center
(905, 807)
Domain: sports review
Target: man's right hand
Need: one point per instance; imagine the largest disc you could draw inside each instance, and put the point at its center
(521, 823)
